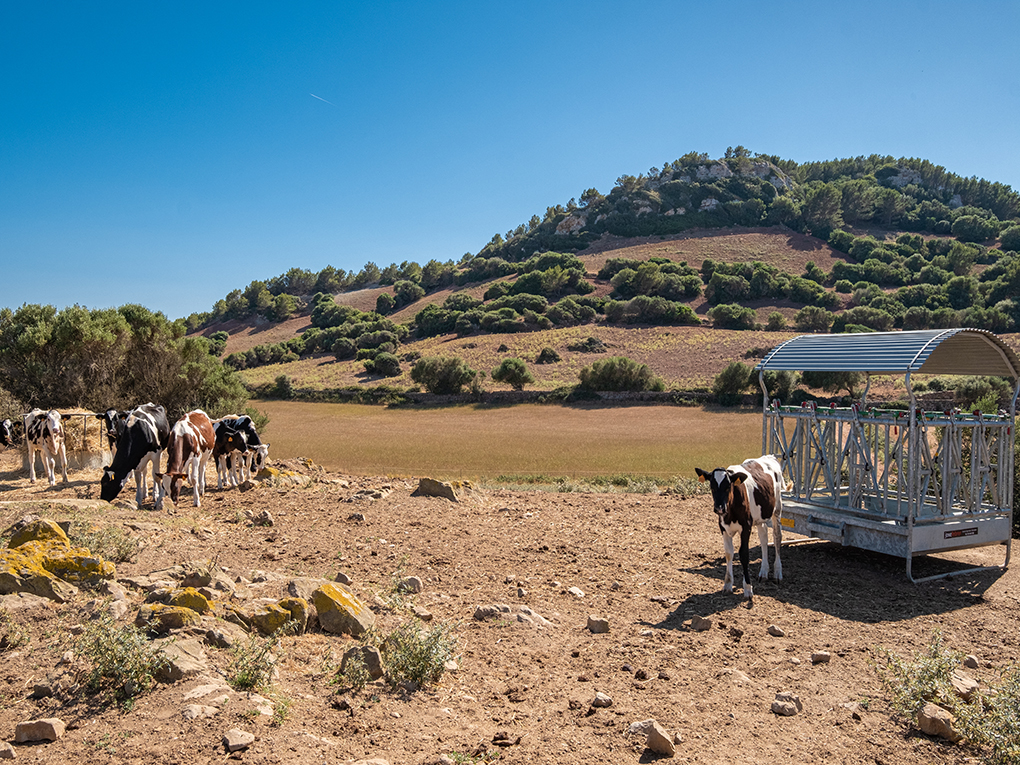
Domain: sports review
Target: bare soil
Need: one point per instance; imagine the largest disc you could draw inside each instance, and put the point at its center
(647, 563)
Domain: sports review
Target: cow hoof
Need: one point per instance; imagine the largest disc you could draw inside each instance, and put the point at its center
(750, 602)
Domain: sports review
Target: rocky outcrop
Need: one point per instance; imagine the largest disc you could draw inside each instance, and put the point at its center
(40, 560)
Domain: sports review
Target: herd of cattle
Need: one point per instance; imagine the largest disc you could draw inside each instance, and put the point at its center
(137, 440)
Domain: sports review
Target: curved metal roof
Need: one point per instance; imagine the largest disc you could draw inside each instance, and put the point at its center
(929, 351)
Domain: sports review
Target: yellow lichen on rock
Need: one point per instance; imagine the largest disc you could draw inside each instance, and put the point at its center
(39, 530)
(158, 618)
(189, 597)
(268, 618)
(340, 612)
(299, 610)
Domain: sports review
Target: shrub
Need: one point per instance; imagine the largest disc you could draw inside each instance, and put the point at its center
(284, 387)
(344, 348)
(109, 542)
(384, 364)
(514, 373)
(812, 318)
(120, 659)
(841, 240)
(588, 345)
(971, 228)
(775, 322)
(547, 355)
(731, 383)
(251, 668)
(619, 373)
(1009, 238)
(12, 634)
(442, 374)
(384, 303)
(732, 316)
(415, 655)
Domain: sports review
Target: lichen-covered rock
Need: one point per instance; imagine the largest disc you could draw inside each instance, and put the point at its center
(158, 618)
(50, 567)
(40, 530)
(300, 611)
(268, 618)
(189, 597)
(340, 611)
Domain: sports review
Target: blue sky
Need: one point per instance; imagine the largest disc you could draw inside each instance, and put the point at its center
(167, 153)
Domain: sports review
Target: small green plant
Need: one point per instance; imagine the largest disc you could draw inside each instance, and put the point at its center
(353, 676)
(12, 634)
(281, 710)
(121, 659)
(252, 666)
(109, 542)
(416, 654)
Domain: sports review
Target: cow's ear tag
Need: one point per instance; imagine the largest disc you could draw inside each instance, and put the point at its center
(737, 479)
(701, 478)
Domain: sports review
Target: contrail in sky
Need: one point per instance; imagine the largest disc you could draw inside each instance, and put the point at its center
(321, 99)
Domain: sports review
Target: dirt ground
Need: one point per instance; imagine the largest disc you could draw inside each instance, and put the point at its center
(522, 692)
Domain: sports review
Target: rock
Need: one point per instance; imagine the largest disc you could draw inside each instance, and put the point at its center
(158, 619)
(21, 600)
(340, 611)
(371, 658)
(47, 729)
(411, 584)
(185, 658)
(794, 660)
(118, 609)
(421, 614)
(534, 617)
(787, 704)
(451, 490)
(300, 611)
(577, 592)
(701, 624)
(775, 631)
(821, 657)
(601, 700)
(521, 592)
(38, 530)
(269, 617)
(113, 590)
(6, 751)
(343, 578)
(235, 740)
(304, 586)
(490, 612)
(936, 721)
(198, 711)
(189, 597)
(597, 625)
(964, 685)
(971, 661)
(656, 737)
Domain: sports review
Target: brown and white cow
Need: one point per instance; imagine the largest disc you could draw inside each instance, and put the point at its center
(188, 450)
(745, 496)
(45, 434)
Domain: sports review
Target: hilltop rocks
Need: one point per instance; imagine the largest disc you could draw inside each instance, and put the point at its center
(451, 490)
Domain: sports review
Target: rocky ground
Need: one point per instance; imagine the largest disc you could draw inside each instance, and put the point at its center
(526, 677)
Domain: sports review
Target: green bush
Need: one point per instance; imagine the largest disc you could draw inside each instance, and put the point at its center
(731, 383)
(384, 364)
(514, 373)
(547, 355)
(1009, 238)
(251, 668)
(442, 374)
(812, 318)
(775, 322)
(415, 655)
(384, 303)
(732, 316)
(619, 373)
(119, 658)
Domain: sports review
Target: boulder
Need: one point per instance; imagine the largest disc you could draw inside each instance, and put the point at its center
(451, 490)
(47, 729)
(39, 530)
(185, 658)
(157, 618)
(964, 685)
(304, 586)
(300, 611)
(656, 737)
(189, 597)
(936, 721)
(234, 740)
(370, 656)
(340, 611)
(598, 625)
(787, 704)
(269, 617)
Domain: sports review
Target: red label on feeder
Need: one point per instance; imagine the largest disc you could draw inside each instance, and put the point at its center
(971, 532)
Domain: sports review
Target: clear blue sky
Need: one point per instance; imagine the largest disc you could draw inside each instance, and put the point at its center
(167, 153)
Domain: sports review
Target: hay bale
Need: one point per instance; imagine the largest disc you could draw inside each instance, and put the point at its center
(83, 432)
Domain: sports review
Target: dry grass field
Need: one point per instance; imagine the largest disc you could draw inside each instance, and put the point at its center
(479, 442)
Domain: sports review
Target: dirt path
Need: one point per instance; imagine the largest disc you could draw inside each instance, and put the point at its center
(647, 563)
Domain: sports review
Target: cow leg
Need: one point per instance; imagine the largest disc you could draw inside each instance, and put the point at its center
(31, 463)
(745, 560)
(140, 482)
(221, 469)
(728, 547)
(202, 465)
(50, 463)
(777, 540)
(63, 461)
(763, 540)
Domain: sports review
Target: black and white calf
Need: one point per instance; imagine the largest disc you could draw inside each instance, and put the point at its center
(114, 421)
(745, 496)
(6, 433)
(141, 443)
(238, 450)
(45, 434)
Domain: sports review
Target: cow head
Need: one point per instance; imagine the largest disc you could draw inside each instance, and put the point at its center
(171, 483)
(109, 486)
(259, 457)
(6, 433)
(722, 482)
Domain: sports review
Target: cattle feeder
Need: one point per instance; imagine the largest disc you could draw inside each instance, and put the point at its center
(903, 482)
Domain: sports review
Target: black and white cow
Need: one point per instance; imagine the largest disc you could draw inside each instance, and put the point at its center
(114, 420)
(6, 433)
(745, 496)
(141, 443)
(238, 450)
(45, 434)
